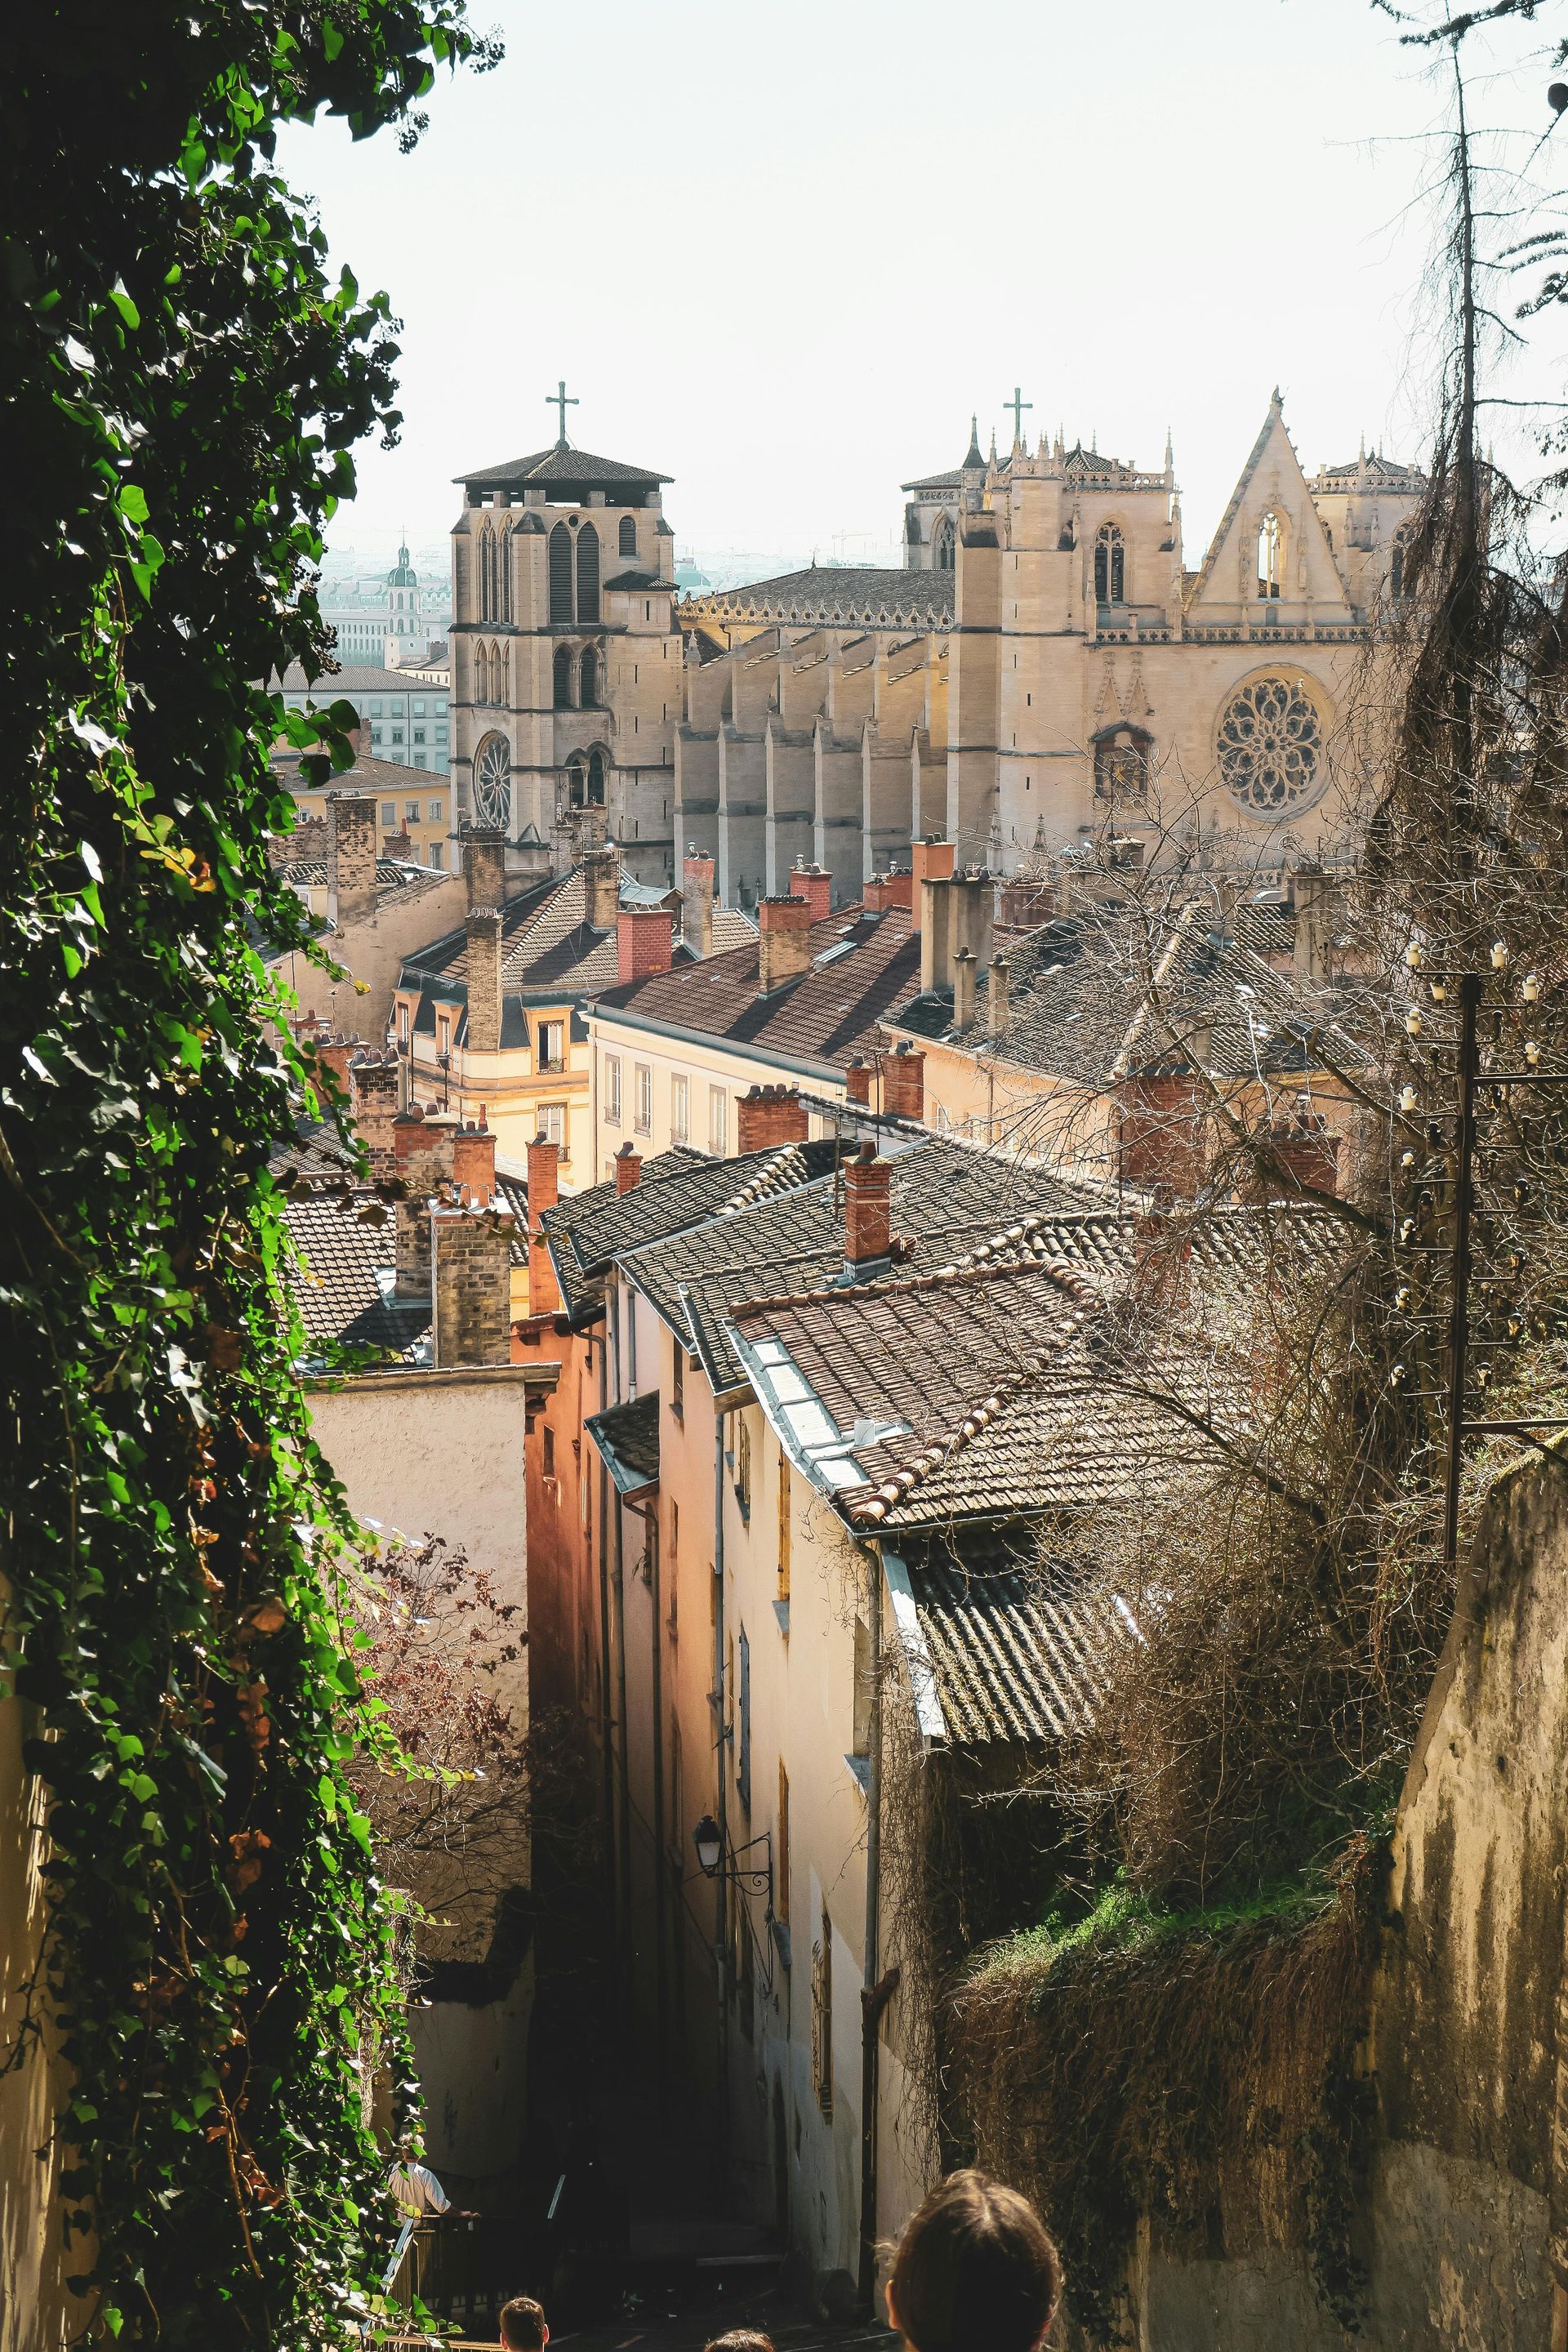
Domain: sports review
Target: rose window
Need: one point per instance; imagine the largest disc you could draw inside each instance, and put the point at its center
(1270, 745)
(492, 786)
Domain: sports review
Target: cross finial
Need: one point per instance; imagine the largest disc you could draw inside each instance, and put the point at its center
(559, 398)
(1018, 404)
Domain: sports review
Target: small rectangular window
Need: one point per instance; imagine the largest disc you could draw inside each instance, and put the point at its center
(743, 1465)
(678, 1380)
(419, 735)
(552, 1044)
(549, 1451)
(419, 710)
(437, 809)
(411, 811)
(389, 815)
(397, 734)
(376, 710)
(643, 1098)
(718, 1121)
(552, 1123)
(821, 2016)
(437, 853)
(679, 1110)
(611, 1090)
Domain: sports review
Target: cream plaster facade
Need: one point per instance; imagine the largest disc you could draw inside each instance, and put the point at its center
(653, 1085)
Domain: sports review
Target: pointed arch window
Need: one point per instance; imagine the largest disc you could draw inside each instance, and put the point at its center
(561, 575)
(1270, 554)
(1124, 760)
(503, 577)
(481, 673)
(1110, 565)
(1399, 563)
(563, 677)
(577, 784)
(943, 546)
(588, 692)
(628, 535)
(587, 574)
(595, 780)
(500, 674)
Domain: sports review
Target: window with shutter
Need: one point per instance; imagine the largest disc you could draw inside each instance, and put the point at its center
(587, 574)
(561, 573)
(563, 677)
(589, 693)
(628, 535)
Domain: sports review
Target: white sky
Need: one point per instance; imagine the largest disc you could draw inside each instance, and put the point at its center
(781, 253)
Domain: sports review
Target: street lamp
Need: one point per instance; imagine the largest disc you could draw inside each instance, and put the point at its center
(710, 1844)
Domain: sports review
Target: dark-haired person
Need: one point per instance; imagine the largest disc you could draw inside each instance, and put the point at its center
(975, 2271)
(523, 2326)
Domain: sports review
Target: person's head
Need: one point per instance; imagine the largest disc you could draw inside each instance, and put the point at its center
(975, 2271)
(522, 2324)
(739, 2339)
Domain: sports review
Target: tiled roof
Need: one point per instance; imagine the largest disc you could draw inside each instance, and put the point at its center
(1008, 1646)
(563, 465)
(820, 1021)
(1032, 1376)
(548, 946)
(1097, 994)
(315, 1153)
(946, 1197)
(830, 596)
(370, 773)
(679, 1188)
(355, 678)
(394, 877)
(1382, 473)
(343, 1284)
(954, 482)
(627, 1437)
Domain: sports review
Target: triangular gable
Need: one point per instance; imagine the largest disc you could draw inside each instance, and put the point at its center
(1271, 477)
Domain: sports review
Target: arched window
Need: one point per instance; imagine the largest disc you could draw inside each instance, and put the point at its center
(503, 577)
(587, 574)
(1110, 566)
(482, 673)
(1123, 757)
(588, 693)
(597, 779)
(1270, 554)
(500, 673)
(628, 535)
(943, 545)
(577, 784)
(563, 677)
(1399, 562)
(561, 575)
(492, 782)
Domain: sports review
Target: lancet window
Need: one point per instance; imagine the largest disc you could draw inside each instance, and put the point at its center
(563, 677)
(561, 575)
(1123, 762)
(1110, 565)
(587, 574)
(1270, 555)
(588, 693)
(628, 535)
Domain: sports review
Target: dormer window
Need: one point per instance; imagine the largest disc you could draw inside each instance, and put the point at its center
(1270, 554)
(1110, 565)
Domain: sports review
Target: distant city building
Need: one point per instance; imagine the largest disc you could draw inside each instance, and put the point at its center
(403, 728)
(384, 622)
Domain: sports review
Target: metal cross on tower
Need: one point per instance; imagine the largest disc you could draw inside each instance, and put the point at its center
(559, 398)
(1018, 404)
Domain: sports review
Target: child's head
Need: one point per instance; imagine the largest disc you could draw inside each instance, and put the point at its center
(975, 2271)
(739, 2339)
(522, 2327)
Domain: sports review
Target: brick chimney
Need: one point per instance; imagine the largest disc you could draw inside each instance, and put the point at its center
(426, 1151)
(1027, 903)
(335, 1054)
(815, 885)
(903, 1083)
(471, 1249)
(351, 857)
(931, 860)
(474, 1161)
(998, 996)
(543, 1192)
(784, 941)
(1305, 1149)
(1162, 1134)
(373, 1097)
(697, 902)
(602, 889)
(956, 911)
(644, 941)
(857, 1081)
(889, 889)
(770, 1116)
(963, 990)
(628, 1168)
(868, 1213)
(484, 865)
(483, 928)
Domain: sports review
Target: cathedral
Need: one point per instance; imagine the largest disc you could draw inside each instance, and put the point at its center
(1043, 672)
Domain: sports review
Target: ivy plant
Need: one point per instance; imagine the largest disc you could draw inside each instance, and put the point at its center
(184, 383)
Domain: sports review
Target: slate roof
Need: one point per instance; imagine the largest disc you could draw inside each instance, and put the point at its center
(343, 1284)
(562, 465)
(1032, 1375)
(1000, 1644)
(831, 596)
(1381, 472)
(946, 1197)
(356, 678)
(1080, 992)
(370, 773)
(627, 1437)
(820, 1021)
(679, 1189)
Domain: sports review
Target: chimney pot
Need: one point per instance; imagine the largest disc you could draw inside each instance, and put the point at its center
(998, 1001)
(815, 887)
(903, 1083)
(867, 1212)
(351, 857)
(602, 889)
(963, 990)
(628, 1168)
(857, 1081)
(484, 987)
(472, 1300)
(696, 903)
